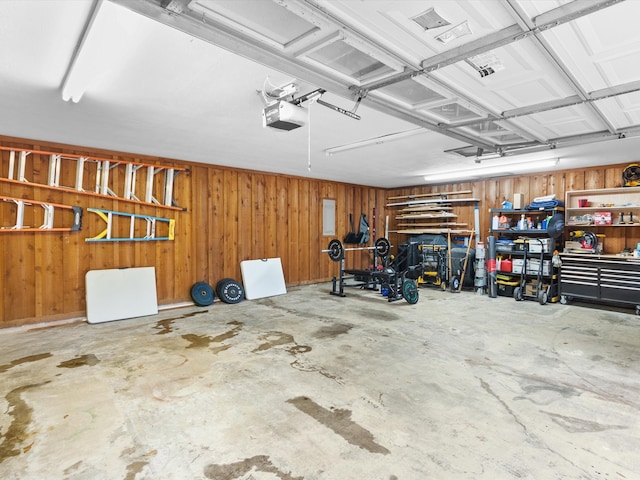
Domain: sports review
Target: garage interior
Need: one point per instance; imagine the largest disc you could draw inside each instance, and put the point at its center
(191, 140)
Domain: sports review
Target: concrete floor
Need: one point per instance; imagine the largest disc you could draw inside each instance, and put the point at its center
(308, 386)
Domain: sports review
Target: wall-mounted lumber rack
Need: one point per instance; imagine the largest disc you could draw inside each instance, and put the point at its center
(103, 177)
(16, 208)
(431, 213)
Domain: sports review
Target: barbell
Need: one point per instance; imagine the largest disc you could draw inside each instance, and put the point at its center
(336, 249)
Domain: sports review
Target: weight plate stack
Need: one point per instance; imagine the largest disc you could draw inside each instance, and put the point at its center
(202, 294)
(229, 291)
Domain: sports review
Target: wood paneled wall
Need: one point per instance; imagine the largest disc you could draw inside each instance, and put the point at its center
(493, 192)
(231, 215)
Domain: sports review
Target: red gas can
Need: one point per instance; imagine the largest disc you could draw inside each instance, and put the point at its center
(506, 265)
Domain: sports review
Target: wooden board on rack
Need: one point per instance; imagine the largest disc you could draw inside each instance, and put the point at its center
(432, 201)
(436, 194)
(425, 208)
(434, 224)
(426, 215)
(417, 231)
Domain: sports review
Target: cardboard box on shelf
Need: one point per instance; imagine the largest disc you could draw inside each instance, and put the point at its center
(531, 288)
(602, 218)
(533, 266)
(538, 245)
(518, 263)
(518, 201)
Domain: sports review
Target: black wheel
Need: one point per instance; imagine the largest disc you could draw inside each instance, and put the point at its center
(517, 293)
(455, 284)
(410, 292)
(229, 291)
(202, 294)
(542, 297)
(563, 299)
(443, 286)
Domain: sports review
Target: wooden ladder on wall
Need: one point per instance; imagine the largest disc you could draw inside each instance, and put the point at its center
(99, 172)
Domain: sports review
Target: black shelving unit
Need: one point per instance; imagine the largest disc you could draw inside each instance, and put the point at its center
(528, 255)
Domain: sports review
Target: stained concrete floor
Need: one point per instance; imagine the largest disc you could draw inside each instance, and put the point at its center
(310, 386)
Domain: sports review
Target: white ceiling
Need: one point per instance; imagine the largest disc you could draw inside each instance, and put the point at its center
(185, 79)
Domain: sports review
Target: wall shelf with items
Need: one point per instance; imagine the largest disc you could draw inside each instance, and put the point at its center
(611, 214)
(618, 207)
(507, 223)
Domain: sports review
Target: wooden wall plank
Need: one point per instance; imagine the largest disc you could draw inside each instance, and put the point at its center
(214, 241)
(282, 224)
(271, 218)
(201, 206)
(293, 247)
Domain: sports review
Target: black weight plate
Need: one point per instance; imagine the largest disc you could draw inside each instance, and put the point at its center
(382, 247)
(410, 292)
(555, 226)
(202, 294)
(336, 251)
(229, 291)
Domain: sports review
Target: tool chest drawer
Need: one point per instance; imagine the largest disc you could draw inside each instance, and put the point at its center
(579, 281)
(620, 284)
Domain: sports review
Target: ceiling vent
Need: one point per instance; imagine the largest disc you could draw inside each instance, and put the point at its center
(486, 63)
(430, 19)
(458, 31)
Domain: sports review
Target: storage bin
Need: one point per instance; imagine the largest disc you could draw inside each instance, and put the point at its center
(505, 288)
(518, 263)
(536, 247)
(533, 267)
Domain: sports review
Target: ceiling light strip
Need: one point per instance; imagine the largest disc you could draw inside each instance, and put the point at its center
(492, 170)
(375, 141)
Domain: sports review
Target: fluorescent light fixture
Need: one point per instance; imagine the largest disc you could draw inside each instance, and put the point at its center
(492, 170)
(392, 137)
(99, 48)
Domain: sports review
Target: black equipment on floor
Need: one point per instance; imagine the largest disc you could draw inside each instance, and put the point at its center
(399, 284)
